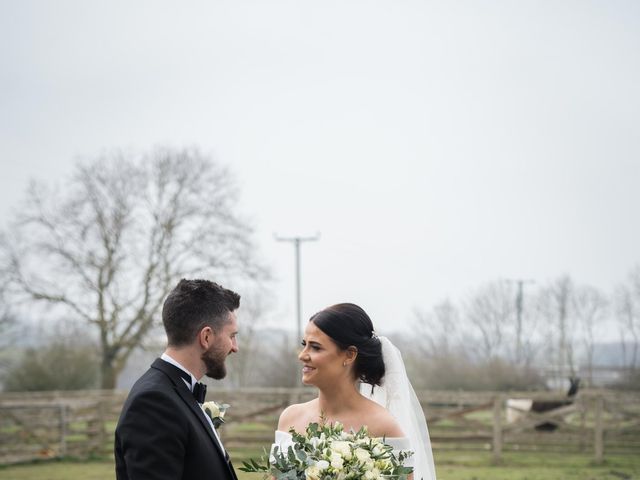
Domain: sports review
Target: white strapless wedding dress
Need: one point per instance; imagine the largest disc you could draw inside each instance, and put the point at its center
(284, 440)
(396, 395)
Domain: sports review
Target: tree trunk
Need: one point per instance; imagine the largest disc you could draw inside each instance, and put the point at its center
(108, 374)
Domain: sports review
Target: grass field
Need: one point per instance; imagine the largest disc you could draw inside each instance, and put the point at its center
(450, 466)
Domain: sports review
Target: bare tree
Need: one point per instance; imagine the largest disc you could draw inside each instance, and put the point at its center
(6, 317)
(530, 339)
(255, 308)
(111, 243)
(554, 305)
(269, 361)
(7, 322)
(438, 329)
(627, 306)
(490, 311)
(590, 308)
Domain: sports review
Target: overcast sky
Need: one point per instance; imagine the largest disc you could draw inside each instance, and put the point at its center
(435, 146)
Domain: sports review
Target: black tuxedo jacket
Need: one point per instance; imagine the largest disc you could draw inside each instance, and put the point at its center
(163, 433)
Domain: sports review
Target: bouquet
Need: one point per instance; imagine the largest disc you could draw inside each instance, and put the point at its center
(327, 452)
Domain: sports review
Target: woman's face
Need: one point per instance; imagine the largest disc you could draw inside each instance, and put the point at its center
(323, 362)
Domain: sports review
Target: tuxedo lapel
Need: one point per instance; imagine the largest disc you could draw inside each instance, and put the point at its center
(183, 391)
(198, 412)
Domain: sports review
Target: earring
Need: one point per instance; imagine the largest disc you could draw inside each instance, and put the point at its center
(344, 364)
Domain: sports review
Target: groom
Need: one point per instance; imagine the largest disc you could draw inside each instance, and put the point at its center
(163, 433)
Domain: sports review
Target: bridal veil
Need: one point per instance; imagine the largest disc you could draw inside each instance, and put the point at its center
(397, 395)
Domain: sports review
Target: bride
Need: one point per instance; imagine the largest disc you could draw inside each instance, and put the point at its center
(361, 380)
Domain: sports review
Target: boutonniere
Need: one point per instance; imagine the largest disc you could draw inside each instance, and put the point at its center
(216, 412)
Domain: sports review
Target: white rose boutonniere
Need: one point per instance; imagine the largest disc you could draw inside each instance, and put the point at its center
(216, 412)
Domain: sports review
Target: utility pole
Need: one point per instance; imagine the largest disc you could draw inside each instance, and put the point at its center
(296, 243)
(519, 310)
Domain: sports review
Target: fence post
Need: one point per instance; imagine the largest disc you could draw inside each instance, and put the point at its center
(497, 428)
(598, 441)
(584, 407)
(102, 433)
(63, 430)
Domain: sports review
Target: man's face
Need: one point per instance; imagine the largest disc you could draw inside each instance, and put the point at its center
(224, 343)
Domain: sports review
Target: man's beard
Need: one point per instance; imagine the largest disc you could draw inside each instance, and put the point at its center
(214, 361)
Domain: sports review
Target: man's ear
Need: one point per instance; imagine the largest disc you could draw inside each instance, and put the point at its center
(205, 337)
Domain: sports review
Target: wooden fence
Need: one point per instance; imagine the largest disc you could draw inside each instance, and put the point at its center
(57, 424)
(593, 423)
(81, 424)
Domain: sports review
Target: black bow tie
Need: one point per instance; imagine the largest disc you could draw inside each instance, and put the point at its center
(199, 392)
(199, 389)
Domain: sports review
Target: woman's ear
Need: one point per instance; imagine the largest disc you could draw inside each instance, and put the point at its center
(351, 355)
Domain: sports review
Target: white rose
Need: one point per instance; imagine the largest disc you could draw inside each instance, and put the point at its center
(368, 464)
(362, 455)
(336, 461)
(322, 465)
(312, 473)
(213, 408)
(343, 448)
(368, 475)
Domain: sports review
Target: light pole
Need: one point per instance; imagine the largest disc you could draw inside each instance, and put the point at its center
(296, 243)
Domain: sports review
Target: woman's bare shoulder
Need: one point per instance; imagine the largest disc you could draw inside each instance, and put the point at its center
(381, 423)
(296, 415)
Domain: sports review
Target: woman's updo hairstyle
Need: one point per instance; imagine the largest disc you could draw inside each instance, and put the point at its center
(349, 325)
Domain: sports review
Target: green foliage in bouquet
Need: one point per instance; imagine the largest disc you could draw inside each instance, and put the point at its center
(327, 452)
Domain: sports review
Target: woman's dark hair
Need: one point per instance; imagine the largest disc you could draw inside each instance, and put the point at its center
(349, 325)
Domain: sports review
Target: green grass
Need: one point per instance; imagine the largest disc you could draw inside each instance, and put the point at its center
(451, 465)
(534, 466)
(60, 470)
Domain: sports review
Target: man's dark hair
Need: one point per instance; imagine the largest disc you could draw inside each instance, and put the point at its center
(194, 304)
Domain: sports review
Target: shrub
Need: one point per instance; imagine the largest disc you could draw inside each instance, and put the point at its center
(629, 381)
(57, 366)
(456, 372)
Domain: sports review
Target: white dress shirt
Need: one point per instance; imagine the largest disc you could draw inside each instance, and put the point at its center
(167, 358)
